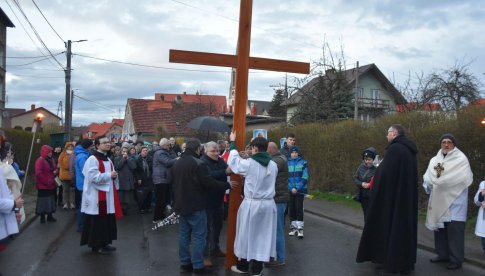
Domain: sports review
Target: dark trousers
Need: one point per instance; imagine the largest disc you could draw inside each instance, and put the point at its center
(295, 207)
(78, 196)
(364, 202)
(483, 245)
(449, 242)
(214, 227)
(163, 195)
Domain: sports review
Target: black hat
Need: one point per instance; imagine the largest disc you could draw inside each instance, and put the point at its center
(448, 136)
(369, 153)
(86, 143)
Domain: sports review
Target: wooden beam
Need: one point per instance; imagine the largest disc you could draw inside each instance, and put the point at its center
(243, 48)
(201, 58)
(223, 60)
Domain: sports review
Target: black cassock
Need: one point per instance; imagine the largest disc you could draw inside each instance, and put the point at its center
(390, 233)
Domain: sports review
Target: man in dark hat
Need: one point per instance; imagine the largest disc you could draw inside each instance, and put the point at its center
(390, 232)
(447, 180)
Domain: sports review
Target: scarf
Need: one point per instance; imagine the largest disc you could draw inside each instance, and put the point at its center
(448, 176)
(102, 203)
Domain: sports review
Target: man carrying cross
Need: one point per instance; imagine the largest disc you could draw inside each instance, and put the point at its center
(446, 181)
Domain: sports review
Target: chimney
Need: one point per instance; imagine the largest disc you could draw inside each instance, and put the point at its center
(253, 109)
(32, 106)
(185, 93)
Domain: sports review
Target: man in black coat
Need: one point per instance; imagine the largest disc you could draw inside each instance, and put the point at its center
(143, 178)
(390, 232)
(191, 182)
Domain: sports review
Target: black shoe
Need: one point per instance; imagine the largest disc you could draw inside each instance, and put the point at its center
(203, 270)
(109, 248)
(439, 260)
(186, 268)
(101, 251)
(51, 219)
(453, 266)
(42, 219)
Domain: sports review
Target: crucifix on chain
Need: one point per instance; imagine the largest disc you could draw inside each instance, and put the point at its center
(242, 62)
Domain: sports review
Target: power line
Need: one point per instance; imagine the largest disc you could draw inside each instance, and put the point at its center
(47, 21)
(42, 59)
(32, 57)
(27, 33)
(93, 102)
(36, 33)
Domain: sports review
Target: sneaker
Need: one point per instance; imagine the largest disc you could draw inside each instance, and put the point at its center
(73, 206)
(293, 232)
(274, 263)
(300, 233)
(65, 206)
(235, 269)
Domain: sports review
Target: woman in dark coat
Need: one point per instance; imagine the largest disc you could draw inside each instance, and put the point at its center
(45, 173)
(125, 165)
(363, 176)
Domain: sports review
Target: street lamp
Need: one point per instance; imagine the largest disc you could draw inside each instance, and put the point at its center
(36, 126)
(483, 122)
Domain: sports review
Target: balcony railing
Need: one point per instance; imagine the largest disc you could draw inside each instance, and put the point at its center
(373, 103)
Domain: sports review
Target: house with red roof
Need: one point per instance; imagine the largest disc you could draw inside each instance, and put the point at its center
(111, 130)
(414, 106)
(168, 113)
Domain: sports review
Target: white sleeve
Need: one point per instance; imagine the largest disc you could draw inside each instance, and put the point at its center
(480, 188)
(238, 165)
(427, 188)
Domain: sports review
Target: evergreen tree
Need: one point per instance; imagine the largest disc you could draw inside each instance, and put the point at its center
(277, 109)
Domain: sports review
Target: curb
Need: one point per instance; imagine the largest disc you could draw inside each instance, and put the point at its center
(475, 262)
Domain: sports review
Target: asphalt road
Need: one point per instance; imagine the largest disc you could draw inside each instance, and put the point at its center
(328, 248)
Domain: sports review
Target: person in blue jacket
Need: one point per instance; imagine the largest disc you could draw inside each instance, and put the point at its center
(82, 151)
(297, 186)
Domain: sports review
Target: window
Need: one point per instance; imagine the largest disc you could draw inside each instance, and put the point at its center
(375, 94)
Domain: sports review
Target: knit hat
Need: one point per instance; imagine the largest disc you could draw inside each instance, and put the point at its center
(369, 153)
(448, 136)
(294, 148)
(86, 143)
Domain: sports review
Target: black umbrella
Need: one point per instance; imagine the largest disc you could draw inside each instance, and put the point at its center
(208, 123)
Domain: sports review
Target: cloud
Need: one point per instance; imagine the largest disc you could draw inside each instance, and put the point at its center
(399, 37)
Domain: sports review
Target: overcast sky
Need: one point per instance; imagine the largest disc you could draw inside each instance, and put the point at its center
(398, 36)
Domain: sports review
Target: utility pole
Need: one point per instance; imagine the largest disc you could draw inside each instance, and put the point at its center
(356, 105)
(67, 121)
(69, 92)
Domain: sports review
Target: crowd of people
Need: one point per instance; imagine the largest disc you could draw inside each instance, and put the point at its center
(102, 181)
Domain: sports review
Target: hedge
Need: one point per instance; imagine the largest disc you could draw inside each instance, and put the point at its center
(334, 150)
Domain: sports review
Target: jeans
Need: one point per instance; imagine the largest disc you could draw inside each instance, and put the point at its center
(193, 227)
(280, 232)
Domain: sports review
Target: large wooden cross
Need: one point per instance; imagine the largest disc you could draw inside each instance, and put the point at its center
(242, 62)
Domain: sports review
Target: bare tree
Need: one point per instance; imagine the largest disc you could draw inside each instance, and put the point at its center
(451, 88)
(324, 93)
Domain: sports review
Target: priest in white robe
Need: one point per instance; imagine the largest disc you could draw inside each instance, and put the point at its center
(256, 218)
(446, 181)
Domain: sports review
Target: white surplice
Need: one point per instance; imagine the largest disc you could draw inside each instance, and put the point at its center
(95, 181)
(256, 217)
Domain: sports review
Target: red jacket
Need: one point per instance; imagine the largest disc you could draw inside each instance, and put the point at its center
(45, 174)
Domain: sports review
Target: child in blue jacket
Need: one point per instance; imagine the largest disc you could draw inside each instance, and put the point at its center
(297, 185)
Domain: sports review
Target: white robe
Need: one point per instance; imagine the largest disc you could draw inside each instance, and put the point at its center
(95, 181)
(8, 222)
(14, 184)
(448, 192)
(480, 227)
(256, 217)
